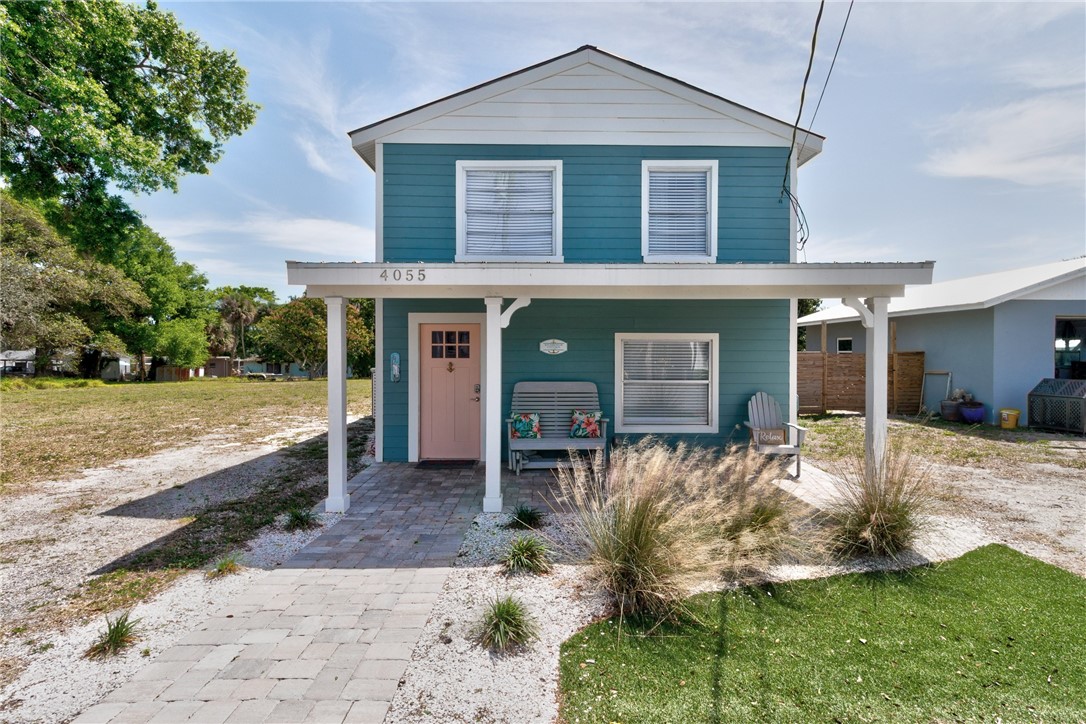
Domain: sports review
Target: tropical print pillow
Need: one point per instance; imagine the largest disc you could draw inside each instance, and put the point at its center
(585, 423)
(526, 425)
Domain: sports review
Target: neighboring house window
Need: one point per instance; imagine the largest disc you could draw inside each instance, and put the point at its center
(509, 211)
(678, 210)
(844, 345)
(666, 382)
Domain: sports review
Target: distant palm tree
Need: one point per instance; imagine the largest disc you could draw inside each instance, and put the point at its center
(220, 337)
(240, 312)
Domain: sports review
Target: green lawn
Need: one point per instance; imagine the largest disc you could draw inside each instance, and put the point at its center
(992, 635)
(53, 432)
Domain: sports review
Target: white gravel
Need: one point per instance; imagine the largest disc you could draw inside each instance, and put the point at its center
(453, 679)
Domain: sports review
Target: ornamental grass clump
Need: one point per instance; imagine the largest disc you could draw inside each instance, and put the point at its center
(659, 520)
(881, 514)
(506, 623)
(118, 635)
(527, 554)
(525, 517)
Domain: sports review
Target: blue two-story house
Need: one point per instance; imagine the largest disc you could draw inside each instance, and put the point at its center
(592, 207)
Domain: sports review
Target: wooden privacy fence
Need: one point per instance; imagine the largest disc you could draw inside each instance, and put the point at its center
(837, 382)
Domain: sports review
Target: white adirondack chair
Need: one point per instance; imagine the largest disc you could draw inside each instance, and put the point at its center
(770, 434)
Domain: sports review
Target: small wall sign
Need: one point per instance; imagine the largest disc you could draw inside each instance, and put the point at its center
(553, 346)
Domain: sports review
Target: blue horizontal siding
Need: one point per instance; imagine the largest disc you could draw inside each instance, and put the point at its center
(753, 352)
(601, 203)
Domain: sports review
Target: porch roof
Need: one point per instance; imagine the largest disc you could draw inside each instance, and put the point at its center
(607, 281)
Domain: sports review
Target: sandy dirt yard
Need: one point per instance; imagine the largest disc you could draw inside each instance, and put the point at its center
(1026, 489)
(60, 535)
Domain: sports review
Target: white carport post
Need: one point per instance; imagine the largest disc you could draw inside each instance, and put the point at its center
(492, 499)
(874, 318)
(338, 500)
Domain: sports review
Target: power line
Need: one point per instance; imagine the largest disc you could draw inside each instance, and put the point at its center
(833, 62)
(802, 97)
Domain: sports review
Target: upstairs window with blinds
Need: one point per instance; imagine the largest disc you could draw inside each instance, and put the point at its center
(678, 210)
(509, 210)
(667, 382)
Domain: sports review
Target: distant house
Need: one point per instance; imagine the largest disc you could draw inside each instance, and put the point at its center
(117, 369)
(997, 334)
(17, 362)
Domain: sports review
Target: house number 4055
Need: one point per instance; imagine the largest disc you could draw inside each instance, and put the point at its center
(404, 275)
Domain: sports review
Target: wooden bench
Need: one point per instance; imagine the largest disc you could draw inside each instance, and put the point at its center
(555, 403)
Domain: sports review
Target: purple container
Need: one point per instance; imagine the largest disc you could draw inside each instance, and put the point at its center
(971, 412)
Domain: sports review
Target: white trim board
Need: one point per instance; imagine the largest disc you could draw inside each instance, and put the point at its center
(607, 281)
(414, 321)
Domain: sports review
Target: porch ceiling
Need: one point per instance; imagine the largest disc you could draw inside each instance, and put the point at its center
(607, 281)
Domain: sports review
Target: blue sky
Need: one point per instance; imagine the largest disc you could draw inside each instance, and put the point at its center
(955, 132)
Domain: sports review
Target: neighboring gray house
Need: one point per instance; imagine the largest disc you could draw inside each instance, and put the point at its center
(998, 334)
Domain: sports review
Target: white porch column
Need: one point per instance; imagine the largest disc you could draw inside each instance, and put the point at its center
(338, 500)
(492, 500)
(876, 407)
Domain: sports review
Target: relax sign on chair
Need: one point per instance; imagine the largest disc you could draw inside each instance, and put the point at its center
(769, 433)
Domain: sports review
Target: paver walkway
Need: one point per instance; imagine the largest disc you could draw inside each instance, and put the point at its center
(327, 637)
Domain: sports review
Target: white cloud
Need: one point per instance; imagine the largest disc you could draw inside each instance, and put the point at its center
(1036, 141)
(335, 240)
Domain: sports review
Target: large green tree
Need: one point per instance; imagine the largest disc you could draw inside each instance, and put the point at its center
(52, 296)
(298, 332)
(104, 91)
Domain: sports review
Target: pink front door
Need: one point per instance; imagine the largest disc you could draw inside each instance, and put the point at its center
(449, 396)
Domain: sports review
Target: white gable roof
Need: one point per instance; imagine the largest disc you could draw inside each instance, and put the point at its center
(1058, 280)
(587, 96)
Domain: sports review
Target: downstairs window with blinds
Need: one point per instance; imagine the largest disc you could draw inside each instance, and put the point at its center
(666, 382)
(509, 211)
(678, 210)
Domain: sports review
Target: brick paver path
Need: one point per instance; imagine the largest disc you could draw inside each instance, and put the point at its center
(327, 637)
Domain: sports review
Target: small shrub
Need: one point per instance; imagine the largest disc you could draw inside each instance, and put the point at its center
(506, 623)
(119, 634)
(527, 555)
(881, 515)
(225, 566)
(525, 517)
(659, 520)
(301, 519)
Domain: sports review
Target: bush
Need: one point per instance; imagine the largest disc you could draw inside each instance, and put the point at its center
(301, 519)
(527, 555)
(884, 514)
(119, 634)
(525, 517)
(506, 623)
(658, 520)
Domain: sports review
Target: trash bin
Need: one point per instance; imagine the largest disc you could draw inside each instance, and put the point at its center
(1008, 418)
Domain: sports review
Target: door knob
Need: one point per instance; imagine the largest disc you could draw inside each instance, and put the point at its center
(476, 398)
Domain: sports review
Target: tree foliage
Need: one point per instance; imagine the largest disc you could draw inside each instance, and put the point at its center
(806, 306)
(182, 341)
(298, 332)
(105, 91)
(52, 296)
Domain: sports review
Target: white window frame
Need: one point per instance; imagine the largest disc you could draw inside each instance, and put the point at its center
(714, 381)
(851, 344)
(712, 168)
(462, 167)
